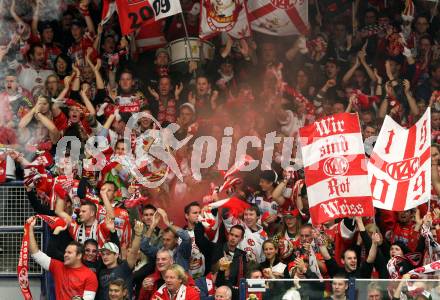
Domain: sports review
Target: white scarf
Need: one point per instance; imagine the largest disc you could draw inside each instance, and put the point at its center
(81, 235)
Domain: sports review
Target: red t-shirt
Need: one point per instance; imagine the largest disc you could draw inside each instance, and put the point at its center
(71, 282)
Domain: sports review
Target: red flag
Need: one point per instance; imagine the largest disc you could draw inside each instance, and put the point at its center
(133, 14)
(335, 168)
(108, 9)
(2, 168)
(279, 17)
(150, 37)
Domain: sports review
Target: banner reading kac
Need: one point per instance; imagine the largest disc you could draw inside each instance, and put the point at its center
(400, 166)
(335, 168)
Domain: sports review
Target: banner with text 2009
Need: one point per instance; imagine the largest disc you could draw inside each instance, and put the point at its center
(335, 168)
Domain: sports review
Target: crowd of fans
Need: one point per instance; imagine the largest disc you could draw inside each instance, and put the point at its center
(74, 77)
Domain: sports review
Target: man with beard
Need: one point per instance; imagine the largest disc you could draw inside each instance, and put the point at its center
(31, 76)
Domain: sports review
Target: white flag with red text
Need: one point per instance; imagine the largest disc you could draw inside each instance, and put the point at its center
(399, 168)
(224, 16)
(279, 17)
(335, 168)
(432, 269)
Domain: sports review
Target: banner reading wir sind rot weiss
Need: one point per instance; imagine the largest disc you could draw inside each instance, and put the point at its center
(335, 168)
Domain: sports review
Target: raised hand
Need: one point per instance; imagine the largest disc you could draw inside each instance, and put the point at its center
(178, 90)
(110, 223)
(138, 227)
(32, 221)
(153, 93)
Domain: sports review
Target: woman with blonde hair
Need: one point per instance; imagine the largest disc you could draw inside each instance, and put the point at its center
(176, 286)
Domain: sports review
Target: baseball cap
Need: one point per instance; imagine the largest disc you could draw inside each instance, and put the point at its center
(110, 247)
(291, 213)
(161, 50)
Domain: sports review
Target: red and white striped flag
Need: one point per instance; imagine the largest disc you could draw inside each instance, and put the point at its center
(400, 166)
(150, 37)
(335, 168)
(432, 269)
(279, 17)
(224, 16)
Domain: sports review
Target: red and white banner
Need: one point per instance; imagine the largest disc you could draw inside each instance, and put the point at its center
(335, 168)
(224, 16)
(150, 37)
(279, 17)
(133, 14)
(57, 224)
(432, 269)
(400, 166)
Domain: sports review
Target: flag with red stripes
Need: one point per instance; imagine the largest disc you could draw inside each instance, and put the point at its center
(108, 9)
(279, 17)
(400, 166)
(335, 168)
(224, 16)
(150, 37)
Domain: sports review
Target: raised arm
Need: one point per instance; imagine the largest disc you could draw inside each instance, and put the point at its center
(411, 100)
(35, 17)
(84, 9)
(110, 212)
(41, 258)
(54, 133)
(86, 100)
(136, 244)
(98, 78)
(350, 72)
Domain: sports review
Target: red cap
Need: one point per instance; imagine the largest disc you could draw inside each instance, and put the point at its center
(293, 213)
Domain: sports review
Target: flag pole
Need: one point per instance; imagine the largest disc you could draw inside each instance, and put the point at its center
(187, 43)
(435, 9)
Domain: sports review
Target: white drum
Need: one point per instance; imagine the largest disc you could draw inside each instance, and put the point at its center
(179, 52)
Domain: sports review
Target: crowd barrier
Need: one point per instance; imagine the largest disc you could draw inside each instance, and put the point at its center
(14, 210)
(354, 289)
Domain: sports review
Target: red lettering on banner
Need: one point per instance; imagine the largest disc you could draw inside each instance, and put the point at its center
(336, 188)
(420, 183)
(383, 189)
(423, 135)
(329, 125)
(390, 141)
(283, 4)
(337, 147)
(403, 170)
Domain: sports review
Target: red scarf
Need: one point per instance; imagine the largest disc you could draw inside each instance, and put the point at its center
(2, 168)
(55, 223)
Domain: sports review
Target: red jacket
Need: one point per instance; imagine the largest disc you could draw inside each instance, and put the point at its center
(147, 293)
(185, 292)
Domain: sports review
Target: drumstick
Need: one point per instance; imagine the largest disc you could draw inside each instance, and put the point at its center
(187, 37)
